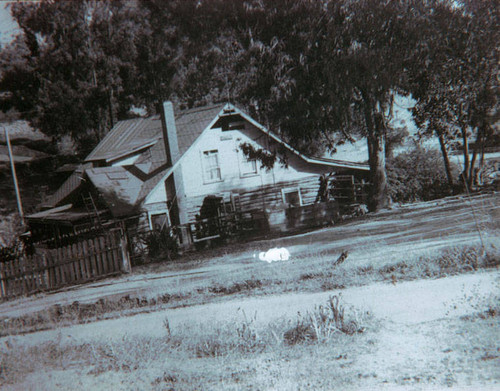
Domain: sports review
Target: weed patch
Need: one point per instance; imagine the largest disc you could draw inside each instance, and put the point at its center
(236, 287)
(322, 324)
(241, 338)
(76, 312)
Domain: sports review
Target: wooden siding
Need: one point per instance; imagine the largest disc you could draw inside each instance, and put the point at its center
(267, 197)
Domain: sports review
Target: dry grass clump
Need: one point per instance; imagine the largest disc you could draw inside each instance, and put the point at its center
(227, 338)
(127, 355)
(450, 261)
(17, 360)
(322, 324)
(249, 284)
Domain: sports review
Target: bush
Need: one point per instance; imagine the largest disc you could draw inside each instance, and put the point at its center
(418, 175)
(322, 324)
(161, 244)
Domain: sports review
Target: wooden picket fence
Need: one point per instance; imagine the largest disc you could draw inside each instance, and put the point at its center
(48, 269)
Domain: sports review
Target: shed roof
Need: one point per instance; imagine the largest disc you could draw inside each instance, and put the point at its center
(127, 137)
(119, 188)
(62, 215)
(72, 183)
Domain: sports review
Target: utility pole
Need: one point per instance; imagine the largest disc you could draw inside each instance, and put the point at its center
(14, 176)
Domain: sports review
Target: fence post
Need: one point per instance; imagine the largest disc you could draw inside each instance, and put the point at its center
(3, 288)
(46, 266)
(126, 266)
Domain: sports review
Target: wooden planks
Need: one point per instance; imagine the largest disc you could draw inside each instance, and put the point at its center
(82, 261)
(264, 197)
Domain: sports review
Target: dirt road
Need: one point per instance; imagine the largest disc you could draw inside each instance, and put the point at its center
(407, 231)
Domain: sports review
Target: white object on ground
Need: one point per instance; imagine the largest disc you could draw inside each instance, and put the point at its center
(274, 255)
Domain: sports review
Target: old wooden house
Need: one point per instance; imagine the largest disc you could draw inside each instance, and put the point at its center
(175, 169)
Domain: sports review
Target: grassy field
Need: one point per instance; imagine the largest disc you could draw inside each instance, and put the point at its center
(329, 348)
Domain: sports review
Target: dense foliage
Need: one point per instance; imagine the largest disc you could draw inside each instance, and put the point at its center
(416, 175)
(319, 73)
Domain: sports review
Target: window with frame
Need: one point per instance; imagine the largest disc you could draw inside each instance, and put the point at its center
(292, 196)
(211, 166)
(159, 221)
(248, 166)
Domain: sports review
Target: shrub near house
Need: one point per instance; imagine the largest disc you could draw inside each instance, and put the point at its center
(418, 175)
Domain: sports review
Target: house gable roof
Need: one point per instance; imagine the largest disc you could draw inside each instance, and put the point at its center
(191, 123)
(133, 135)
(313, 160)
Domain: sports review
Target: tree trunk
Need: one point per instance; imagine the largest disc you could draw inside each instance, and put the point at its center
(376, 133)
(477, 144)
(481, 161)
(465, 172)
(375, 123)
(446, 158)
(110, 107)
(376, 151)
(478, 148)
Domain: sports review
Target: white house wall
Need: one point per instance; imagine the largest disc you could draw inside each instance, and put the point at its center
(260, 191)
(227, 143)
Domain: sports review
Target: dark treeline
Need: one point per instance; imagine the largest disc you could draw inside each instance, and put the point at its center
(319, 72)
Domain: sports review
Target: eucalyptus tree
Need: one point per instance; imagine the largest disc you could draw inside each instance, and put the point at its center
(369, 44)
(217, 39)
(74, 59)
(327, 71)
(159, 51)
(455, 80)
(287, 89)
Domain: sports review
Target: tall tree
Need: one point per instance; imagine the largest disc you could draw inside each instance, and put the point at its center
(370, 46)
(216, 36)
(159, 51)
(80, 54)
(334, 72)
(454, 79)
(324, 72)
(18, 80)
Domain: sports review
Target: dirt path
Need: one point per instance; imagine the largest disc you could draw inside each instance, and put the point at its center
(407, 231)
(406, 303)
